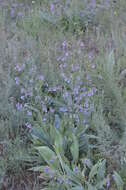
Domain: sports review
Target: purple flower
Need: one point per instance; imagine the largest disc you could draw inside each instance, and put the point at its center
(108, 183)
(81, 44)
(32, 70)
(81, 109)
(29, 113)
(64, 44)
(12, 13)
(88, 78)
(75, 68)
(22, 90)
(63, 59)
(93, 3)
(84, 122)
(17, 68)
(63, 66)
(91, 55)
(20, 14)
(23, 66)
(46, 170)
(17, 80)
(83, 89)
(82, 95)
(90, 93)
(94, 89)
(66, 54)
(60, 180)
(63, 109)
(76, 91)
(21, 4)
(52, 110)
(19, 106)
(86, 105)
(87, 162)
(41, 77)
(29, 93)
(66, 95)
(75, 170)
(14, 5)
(44, 108)
(44, 119)
(51, 161)
(52, 8)
(53, 89)
(93, 66)
(22, 97)
(28, 125)
(67, 181)
(86, 113)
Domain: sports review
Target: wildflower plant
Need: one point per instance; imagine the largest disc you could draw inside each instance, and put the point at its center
(62, 93)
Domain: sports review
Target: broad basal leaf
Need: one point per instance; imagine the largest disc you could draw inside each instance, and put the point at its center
(49, 156)
(75, 148)
(118, 180)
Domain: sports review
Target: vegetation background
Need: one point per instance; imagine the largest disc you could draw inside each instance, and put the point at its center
(62, 95)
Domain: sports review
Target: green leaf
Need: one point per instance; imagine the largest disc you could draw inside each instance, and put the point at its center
(59, 157)
(59, 141)
(93, 171)
(39, 134)
(76, 179)
(101, 170)
(90, 187)
(49, 156)
(87, 162)
(100, 184)
(75, 149)
(118, 180)
(57, 122)
(37, 169)
(98, 169)
(47, 18)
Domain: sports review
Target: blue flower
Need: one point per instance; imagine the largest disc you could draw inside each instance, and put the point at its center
(17, 80)
(28, 125)
(75, 170)
(93, 3)
(41, 78)
(51, 161)
(52, 8)
(63, 109)
(47, 170)
(22, 97)
(19, 106)
(12, 13)
(108, 183)
(60, 180)
(29, 113)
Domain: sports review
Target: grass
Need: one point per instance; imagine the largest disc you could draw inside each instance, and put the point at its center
(62, 95)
